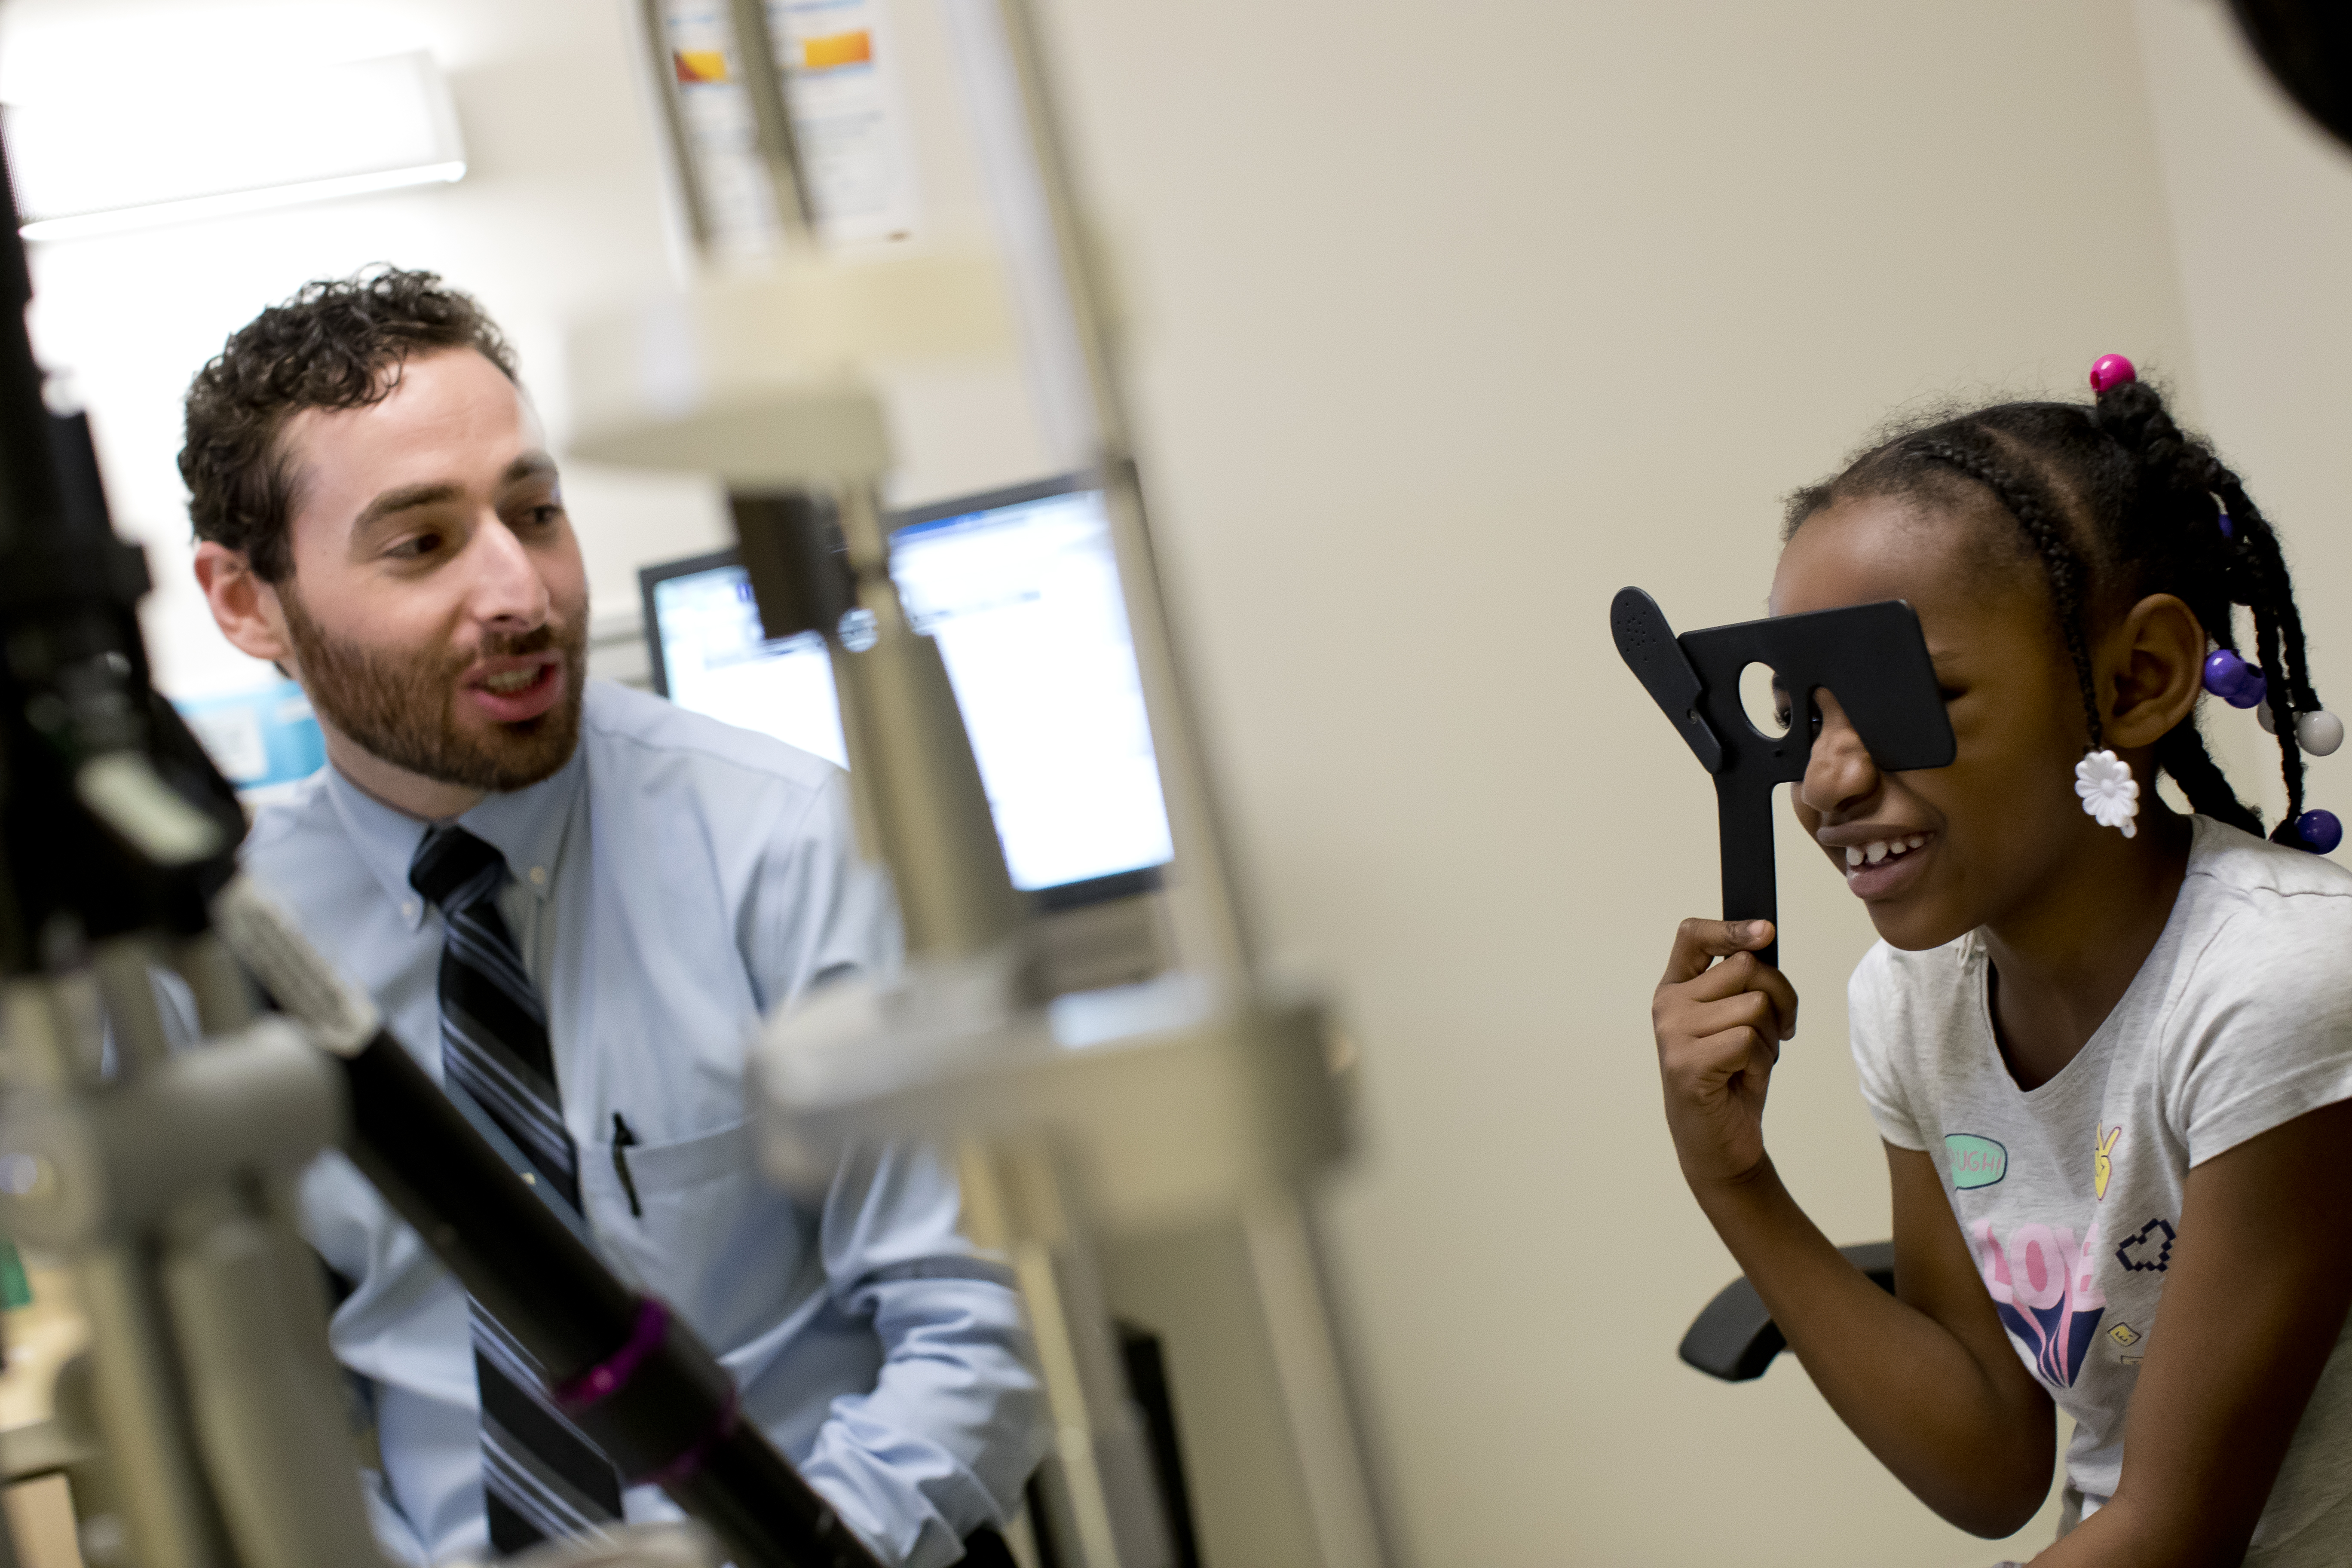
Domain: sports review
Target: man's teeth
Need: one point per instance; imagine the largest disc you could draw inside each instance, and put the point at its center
(513, 680)
(1878, 849)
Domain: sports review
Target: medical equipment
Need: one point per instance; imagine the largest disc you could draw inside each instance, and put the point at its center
(1205, 1098)
(1871, 657)
(213, 1433)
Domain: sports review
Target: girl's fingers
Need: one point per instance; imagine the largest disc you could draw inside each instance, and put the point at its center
(1739, 973)
(1706, 1023)
(1746, 1050)
(1698, 943)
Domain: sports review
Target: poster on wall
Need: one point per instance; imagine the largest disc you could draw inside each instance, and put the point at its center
(263, 742)
(847, 118)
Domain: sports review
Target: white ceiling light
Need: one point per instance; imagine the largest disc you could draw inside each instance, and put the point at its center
(92, 164)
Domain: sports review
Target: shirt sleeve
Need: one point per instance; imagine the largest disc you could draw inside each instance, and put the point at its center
(1870, 1006)
(946, 1437)
(2265, 1033)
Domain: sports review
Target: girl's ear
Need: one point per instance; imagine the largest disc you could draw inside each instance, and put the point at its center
(2154, 663)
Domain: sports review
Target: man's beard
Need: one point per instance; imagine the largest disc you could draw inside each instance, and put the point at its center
(401, 706)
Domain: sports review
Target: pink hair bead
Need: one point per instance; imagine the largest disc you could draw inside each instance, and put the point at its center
(2111, 370)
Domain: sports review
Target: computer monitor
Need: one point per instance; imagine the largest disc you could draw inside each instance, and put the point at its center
(1021, 590)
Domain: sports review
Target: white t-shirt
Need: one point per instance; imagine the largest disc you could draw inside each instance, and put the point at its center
(2069, 1195)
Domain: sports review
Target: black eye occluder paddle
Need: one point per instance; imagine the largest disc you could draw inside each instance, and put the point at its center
(1872, 657)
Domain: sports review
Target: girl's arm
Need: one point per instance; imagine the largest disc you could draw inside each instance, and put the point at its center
(2257, 1293)
(1925, 1378)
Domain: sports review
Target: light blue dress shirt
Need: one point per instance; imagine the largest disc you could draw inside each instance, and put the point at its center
(678, 879)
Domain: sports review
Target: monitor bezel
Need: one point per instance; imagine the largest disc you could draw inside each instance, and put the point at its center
(651, 577)
(1127, 884)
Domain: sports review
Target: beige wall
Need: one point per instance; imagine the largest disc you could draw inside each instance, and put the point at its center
(1452, 321)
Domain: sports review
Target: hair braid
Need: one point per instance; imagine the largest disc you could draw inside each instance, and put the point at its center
(2059, 558)
(2252, 564)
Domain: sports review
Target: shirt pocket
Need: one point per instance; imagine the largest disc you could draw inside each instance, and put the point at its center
(708, 1235)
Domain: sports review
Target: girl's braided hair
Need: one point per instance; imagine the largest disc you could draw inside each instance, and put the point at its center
(2117, 502)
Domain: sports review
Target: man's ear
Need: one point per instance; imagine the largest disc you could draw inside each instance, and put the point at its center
(2156, 661)
(246, 608)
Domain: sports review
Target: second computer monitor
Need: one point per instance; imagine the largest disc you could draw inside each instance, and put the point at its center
(1021, 591)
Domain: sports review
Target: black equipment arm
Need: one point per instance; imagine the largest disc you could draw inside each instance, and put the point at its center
(669, 1415)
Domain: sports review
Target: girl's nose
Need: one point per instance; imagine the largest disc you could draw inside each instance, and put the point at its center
(1840, 774)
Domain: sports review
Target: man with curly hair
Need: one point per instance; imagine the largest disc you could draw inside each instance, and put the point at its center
(574, 902)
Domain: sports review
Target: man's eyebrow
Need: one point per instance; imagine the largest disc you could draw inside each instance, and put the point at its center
(405, 499)
(529, 466)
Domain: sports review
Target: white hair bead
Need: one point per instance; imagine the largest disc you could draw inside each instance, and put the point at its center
(2318, 732)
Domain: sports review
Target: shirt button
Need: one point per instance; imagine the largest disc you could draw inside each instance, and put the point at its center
(538, 875)
(408, 909)
(530, 1177)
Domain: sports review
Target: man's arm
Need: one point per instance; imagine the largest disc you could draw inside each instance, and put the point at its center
(947, 1436)
(2256, 1296)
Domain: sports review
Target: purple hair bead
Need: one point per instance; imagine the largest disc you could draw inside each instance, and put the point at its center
(2221, 516)
(2319, 831)
(2227, 676)
(2111, 370)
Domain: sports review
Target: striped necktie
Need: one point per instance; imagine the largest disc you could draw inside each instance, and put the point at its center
(541, 1478)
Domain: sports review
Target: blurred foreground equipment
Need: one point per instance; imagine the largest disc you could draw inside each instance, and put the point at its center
(2308, 44)
(207, 1426)
(1202, 1102)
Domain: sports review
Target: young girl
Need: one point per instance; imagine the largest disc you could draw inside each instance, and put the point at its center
(2109, 1047)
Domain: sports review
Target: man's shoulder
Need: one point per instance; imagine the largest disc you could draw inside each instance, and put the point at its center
(300, 818)
(648, 746)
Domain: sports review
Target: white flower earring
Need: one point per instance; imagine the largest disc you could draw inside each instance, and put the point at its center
(2110, 794)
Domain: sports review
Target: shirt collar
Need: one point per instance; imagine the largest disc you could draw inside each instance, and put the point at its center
(526, 825)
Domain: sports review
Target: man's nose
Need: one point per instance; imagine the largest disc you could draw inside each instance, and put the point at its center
(508, 593)
(1840, 774)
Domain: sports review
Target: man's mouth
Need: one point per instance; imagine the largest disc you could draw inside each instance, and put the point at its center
(519, 691)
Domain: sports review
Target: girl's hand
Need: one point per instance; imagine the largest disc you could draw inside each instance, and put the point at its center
(1719, 1028)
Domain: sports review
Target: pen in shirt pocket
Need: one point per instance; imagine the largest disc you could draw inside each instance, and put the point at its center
(622, 1140)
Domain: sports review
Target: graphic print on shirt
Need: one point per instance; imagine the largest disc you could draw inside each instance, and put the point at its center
(2103, 1164)
(1976, 1162)
(2046, 1287)
(2144, 1253)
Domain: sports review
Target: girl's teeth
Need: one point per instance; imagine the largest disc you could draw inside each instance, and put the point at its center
(1876, 851)
(1853, 856)
(1918, 841)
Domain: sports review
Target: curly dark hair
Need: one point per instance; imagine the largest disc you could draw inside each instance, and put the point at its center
(2116, 500)
(338, 344)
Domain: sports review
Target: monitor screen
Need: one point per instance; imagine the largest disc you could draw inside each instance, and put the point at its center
(1021, 592)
